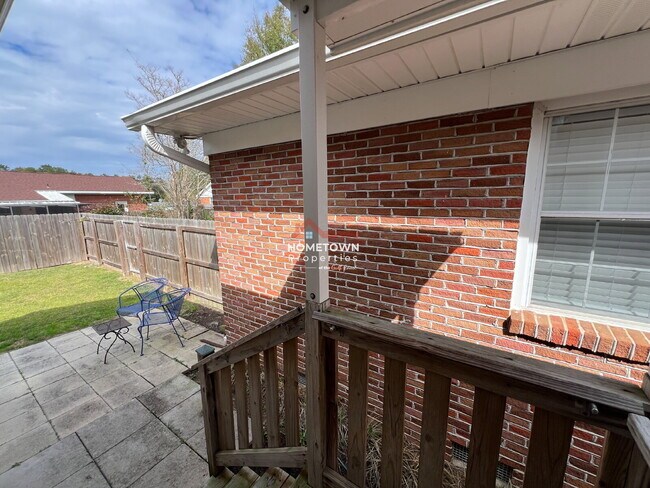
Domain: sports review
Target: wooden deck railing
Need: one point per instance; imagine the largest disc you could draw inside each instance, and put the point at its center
(238, 368)
(560, 396)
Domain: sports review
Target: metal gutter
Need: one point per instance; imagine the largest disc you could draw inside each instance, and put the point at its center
(149, 137)
(261, 72)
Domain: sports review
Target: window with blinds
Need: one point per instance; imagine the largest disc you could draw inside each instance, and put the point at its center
(593, 248)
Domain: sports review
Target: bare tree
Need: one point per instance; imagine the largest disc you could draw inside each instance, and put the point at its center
(181, 186)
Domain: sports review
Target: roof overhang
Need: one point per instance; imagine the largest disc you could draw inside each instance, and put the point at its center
(5, 6)
(38, 203)
(449, 58)
(102, 192)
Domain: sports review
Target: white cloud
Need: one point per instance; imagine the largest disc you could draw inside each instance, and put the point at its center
(64, 67)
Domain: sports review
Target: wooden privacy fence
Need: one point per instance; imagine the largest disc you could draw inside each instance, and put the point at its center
(183, 251)
(39, 241)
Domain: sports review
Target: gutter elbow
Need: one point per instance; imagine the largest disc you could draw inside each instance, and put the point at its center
(149, 137)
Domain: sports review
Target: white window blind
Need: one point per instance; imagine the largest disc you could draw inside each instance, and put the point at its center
(594, 239)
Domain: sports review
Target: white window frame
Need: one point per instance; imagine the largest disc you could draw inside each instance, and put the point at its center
(531, 211)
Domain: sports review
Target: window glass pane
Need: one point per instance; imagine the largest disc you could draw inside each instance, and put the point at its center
(576, 187)
(562, 264)
(577, 160)
(620, 278)
(616, 281)
(629, 175)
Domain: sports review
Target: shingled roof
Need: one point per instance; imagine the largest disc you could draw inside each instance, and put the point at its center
(19, 186)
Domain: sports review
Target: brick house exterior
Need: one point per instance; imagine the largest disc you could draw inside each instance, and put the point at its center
(439, 135)
(435, 208)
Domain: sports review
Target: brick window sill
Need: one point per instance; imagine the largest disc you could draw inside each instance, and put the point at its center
(596, 337)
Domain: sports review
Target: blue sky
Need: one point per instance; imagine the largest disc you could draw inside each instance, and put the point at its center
(64, 67)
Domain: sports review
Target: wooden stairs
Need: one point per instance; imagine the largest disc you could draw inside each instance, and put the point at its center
(247, 478)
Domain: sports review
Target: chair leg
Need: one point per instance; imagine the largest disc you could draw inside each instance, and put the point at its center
(176, 332)
(141, 341)
(182, 325)
(147, 332)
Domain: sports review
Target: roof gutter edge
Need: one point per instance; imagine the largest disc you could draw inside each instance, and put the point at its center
(149, 137)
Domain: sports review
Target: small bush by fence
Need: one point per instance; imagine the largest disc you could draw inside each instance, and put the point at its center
(183, 251)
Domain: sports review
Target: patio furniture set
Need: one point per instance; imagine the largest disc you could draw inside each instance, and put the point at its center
(154, 302)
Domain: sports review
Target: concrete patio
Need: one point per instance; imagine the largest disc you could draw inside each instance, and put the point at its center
(69, 420)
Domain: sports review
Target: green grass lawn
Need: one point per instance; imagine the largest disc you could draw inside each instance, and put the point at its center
(38, 304)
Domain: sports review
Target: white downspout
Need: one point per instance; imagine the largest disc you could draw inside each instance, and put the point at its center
(149, 138)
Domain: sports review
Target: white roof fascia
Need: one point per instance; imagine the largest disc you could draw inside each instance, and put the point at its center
(5, 6)
(101, 192)
(260, 72)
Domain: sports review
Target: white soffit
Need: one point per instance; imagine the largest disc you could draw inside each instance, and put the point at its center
(506, 37)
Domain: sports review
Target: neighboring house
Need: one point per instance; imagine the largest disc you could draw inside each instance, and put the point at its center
(42, 193)
(205, 199)
(494, 169)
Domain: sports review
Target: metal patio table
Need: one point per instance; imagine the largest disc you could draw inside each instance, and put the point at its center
(117, 326)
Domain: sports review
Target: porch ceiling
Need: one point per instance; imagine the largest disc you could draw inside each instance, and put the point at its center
(498, 33)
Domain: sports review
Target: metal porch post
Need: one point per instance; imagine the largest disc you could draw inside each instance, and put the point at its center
(313, 124)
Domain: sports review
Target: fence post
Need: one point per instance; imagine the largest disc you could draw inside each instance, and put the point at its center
(138, 243)
(121, 245)
(82, 235)
(98, 250)
(182, 263)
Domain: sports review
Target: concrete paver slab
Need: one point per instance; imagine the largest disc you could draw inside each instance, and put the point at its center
(68, 401)
(49, 377)
(17, 406)
(86, 477)
(181, 469)
(160, 374)
(10, 377)
(197, 442)
(80, 415)
(49, 467)
(102, 434)
(59, 388)
(80, 352)
(169, 394)
(123, 393)
(185, 419)
(73, 341)
(137, 454)
(21, 424)
(15, 390)
(25, 446)
(33, 368)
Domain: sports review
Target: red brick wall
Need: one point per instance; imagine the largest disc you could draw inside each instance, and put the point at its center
(89, 201)
(434, 206)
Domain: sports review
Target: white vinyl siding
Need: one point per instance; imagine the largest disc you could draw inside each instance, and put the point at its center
(593, 250)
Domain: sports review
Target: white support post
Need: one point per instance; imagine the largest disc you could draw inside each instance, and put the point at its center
(313, 124)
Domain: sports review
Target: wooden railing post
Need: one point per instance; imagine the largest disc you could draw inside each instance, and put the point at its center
(316, 406)
(210, 418)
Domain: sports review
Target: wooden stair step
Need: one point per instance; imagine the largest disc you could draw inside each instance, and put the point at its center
(272, 478)
(244, 479)
(222, 480)
(302, 480)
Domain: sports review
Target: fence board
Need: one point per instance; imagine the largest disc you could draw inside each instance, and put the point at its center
(39, 241)
(181, 250)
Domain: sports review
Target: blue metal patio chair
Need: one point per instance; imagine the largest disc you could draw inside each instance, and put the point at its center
(131, 301)
(165, 309)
